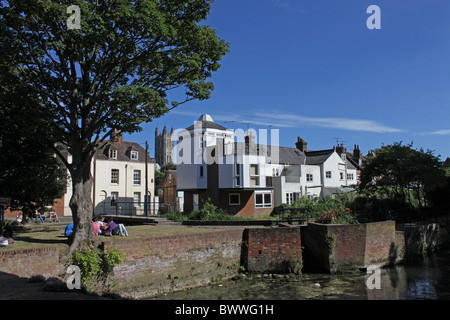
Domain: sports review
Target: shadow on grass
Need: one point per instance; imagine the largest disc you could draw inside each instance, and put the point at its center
(64, 240)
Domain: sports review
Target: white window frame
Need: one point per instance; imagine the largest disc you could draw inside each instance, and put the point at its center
(137, 201)
(134, 155)
(113, 176)
(137, 177)
(255, 175)
(264, 204)
(309, 177)
(113, 153)
(328, 175)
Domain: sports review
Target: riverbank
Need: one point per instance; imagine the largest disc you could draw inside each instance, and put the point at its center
(159, 259)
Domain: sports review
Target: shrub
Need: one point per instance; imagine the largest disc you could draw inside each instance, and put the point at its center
(96, 265)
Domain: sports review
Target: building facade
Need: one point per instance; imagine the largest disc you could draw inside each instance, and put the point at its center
(246, 178)
(118, 170)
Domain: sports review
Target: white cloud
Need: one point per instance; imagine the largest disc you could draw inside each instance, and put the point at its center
(441, 132)
(292, 120)
(285, 120)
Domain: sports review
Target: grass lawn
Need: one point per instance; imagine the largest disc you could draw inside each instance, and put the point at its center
(42, 235)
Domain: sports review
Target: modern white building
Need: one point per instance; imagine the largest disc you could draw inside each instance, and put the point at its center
(249, 179)
(118, 170)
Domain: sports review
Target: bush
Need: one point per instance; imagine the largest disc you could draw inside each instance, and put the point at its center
(96, 265)
(209, 212)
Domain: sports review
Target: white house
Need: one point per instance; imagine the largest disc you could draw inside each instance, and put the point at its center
(245, 178)
(119, 181)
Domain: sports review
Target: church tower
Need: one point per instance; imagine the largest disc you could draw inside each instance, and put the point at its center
(163, 146)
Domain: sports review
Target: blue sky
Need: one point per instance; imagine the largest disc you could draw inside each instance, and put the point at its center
(312, 69)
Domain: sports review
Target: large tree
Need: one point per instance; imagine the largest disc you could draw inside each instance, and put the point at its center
(403, 173)
(112, 71)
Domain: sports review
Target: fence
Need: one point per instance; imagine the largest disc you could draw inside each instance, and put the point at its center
(138, 209)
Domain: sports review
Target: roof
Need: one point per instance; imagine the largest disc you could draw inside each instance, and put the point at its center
(206, 121)
(124, 149)
(318, 157)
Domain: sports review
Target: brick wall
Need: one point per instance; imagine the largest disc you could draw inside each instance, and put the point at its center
(30, 262)
(336, 248)
(157, 265)
(268, 250)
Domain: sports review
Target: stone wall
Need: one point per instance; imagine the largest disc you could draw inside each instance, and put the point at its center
(272, 250)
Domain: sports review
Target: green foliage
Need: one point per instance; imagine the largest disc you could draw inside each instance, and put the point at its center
(209, 211)
(295, 264)
(328, 210)
(96, 265)
(403, 174)
(114, 72)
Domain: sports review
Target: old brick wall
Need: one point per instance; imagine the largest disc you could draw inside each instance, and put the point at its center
(156, 265)
(30, 262)
(268, 250)
(336, 248)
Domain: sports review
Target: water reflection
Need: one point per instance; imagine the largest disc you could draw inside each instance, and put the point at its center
(427, 278)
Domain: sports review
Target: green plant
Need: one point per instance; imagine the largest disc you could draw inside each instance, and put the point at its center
(295, 264)
(330, 241)
(96, 265)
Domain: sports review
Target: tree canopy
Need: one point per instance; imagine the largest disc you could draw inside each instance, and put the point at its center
(403, 173)
(115, 71)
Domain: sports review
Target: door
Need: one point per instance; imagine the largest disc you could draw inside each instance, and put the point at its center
(195, 201)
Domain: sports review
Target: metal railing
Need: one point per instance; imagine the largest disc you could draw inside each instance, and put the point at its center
(136, 209)
(291, 215)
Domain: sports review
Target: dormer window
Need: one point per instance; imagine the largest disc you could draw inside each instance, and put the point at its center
(134, 155)
(112, 153)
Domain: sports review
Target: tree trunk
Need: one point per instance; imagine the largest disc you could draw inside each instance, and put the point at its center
(81, 203)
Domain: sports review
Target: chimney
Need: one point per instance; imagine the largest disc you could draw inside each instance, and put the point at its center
(116, 136)
(301, 144)
(340, 149)
(357, 152)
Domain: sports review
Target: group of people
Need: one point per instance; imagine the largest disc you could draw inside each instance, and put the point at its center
(40, 214)
(102, 226)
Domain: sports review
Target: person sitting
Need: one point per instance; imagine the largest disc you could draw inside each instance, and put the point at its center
(40, 214)
(53, 214)
(69, 230)
(95, 227)
(110, 226)
(19, 219)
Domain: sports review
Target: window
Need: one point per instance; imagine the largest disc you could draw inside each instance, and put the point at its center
(341, 175)
(292, 197)
(112, 153)
(234, 199)
(349, 176)
(134, 155)
(254, 175)
(309, 177)
(275, 172)
(115, 176)
(328, 174)
(263, 199)
(114, 198)
(137, 199)
(137, 177)
(238, 174)
(289, 198)
(201, 171)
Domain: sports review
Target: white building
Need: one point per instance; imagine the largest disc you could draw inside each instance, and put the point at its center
(118, 170)
(248, 179)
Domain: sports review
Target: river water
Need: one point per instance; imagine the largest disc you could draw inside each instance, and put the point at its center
(427, 278)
